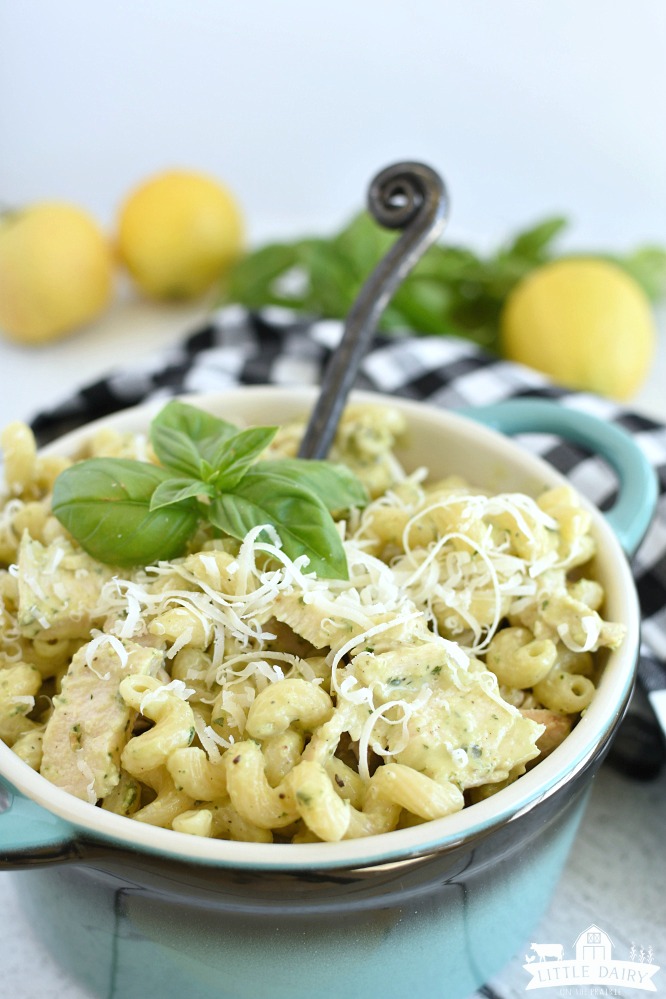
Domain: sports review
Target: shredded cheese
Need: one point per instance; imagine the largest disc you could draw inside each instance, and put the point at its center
(99, 640)
(175, 687)
(84, 767)
(591, 625)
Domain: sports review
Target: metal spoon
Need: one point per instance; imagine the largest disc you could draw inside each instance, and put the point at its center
(407, 196)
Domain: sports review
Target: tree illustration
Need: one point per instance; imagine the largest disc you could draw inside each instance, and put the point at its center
(632, 952)
(641, 955)
(650, 954)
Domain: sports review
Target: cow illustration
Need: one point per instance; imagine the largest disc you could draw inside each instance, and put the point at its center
(544, 951)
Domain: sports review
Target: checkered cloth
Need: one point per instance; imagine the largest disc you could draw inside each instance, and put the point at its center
(280, 348)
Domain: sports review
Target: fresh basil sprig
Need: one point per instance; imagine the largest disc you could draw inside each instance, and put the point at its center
(453, 290)
(105, 504)
(125, 512)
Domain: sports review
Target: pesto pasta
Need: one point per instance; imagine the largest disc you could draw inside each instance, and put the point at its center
(231, 692)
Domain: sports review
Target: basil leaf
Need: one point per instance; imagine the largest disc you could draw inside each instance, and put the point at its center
(336, 485)
(104, 503)
(301, 519)
(449, 264)
(533, 243)
(647, 265)
(364, 242)
(236, 454)
(422, 306)
(252, 279)
(333, 285)
(204, 430)
(176, 490)
(195, 422)
(176, 450)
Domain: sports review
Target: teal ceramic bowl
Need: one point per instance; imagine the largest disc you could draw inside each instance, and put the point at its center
(426, 912)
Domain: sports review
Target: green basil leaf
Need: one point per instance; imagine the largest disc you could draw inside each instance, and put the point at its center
(333, 283)
(364, 242)
(176, 450)
(252, 280)
(449, 264)
(195, 422)
(236, 454)
(301, 519)
(335, 485)
(534, 242)
(647, 266)
(218, 444)
(423, 305)
(104, 503)
(176, 490)
(204, 429)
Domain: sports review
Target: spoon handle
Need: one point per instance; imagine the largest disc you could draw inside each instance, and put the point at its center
(407, 196)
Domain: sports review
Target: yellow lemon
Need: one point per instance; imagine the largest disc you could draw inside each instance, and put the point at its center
(56, 271)
(584, 322)
(177, 234)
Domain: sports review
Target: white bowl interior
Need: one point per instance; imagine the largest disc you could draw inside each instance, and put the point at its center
(445, 443)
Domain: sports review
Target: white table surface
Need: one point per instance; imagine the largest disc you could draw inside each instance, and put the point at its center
(616, 875)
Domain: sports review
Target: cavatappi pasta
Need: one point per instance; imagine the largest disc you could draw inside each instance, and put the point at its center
(230, 693)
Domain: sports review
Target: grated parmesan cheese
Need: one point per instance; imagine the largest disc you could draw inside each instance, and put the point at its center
(84, 767)
(434, 572)
(100, 639)
(176, 687)
(591, 625)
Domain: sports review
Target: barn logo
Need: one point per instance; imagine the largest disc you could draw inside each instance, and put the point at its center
(593, 966)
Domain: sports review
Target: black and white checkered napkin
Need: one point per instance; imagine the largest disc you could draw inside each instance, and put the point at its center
(280, 348)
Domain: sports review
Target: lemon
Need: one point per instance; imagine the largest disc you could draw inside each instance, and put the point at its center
(584, 322)
(56, 271)
(178, 232)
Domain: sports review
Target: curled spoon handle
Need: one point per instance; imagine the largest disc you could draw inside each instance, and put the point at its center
(407, 196)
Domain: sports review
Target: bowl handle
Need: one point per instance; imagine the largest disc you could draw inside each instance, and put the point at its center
(29, 834)
(638, 492)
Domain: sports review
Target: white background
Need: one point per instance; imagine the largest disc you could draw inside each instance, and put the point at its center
(527, 107)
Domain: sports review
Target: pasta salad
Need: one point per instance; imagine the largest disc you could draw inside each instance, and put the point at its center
(230, 691)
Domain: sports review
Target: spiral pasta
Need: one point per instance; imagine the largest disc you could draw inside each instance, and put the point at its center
(230, 693)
